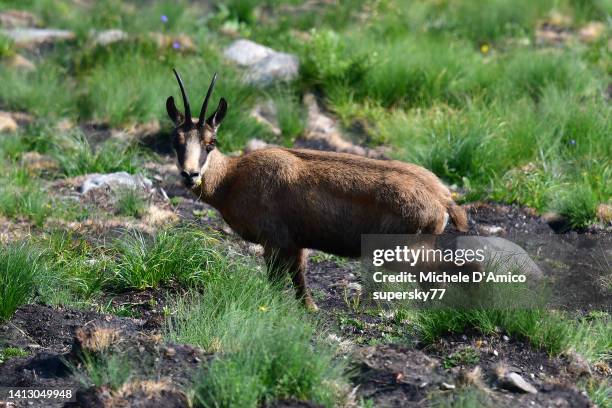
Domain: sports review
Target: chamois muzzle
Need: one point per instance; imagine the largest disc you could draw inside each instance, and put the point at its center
(190, 178)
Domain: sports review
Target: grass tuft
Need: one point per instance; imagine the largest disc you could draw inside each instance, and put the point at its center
(19, 268)
(110, 370)
(131, 202)
(76, 156)
(185, 255)
(551, 331)
(268, 347)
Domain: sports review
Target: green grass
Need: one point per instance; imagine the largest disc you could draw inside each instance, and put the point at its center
(76, 156)
(7, 353)
(600, 392)
(185, 255)
(7, 48)
(466, 356)
(45, 92)
(551, 331)
(131, 202)
(112, 370)
(30, 202)
(76, 270)
(291, 116)
(264, 338)
(19, 268)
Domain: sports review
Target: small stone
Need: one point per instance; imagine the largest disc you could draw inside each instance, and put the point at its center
(514, 382)
(20, 62)
(446, 386)
(36, 162)
(7, 123)
(495, 353)
(170, 352)
(266, 114)
(577, 364)
(256, 144)
(604, 213)
(491, 229)
(505, 338)
(256, 249)
(354, 286)
(107, 37)
(64, 125)
(592, 31)
(180, 42)
(32, 37)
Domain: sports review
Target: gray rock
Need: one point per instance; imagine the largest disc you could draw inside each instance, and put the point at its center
(7, 123)
(256, 144)
(324, 133)
(108, 37)
(266, 113)
(116, 180)
(17, 18)
(28, 37)
(447, 386)
(514, 382)
(264, 65)
(504, 256)
(491, 229)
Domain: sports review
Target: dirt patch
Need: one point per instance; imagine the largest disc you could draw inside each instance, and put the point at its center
(58, 338)
(52, 328)
(398, 376)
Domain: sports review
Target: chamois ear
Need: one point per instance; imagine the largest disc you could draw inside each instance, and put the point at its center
(217, 117)
(174, 114)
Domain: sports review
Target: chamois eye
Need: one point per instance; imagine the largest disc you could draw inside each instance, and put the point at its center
(209, 148)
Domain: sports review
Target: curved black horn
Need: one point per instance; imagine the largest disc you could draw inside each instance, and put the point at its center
(205, 104)
(185, 100)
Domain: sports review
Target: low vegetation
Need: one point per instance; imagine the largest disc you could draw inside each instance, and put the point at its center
(466, 88)
(264, 340)
(554, 332)
(19, 269)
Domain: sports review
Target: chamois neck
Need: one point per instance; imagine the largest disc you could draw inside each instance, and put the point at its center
(213, 176)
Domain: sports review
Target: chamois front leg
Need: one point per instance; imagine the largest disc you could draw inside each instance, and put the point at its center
(293, 261)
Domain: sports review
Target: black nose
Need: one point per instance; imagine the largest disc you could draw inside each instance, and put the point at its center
(189, 177)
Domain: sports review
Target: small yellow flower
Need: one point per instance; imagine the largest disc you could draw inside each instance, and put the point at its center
(484, 48)
(263, 308)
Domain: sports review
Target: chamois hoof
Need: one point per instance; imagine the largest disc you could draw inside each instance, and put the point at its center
(311, 306)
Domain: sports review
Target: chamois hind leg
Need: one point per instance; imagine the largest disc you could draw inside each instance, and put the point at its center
(280, 261)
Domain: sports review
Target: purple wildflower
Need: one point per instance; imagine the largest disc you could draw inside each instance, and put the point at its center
(176, 45)
(572, 142)
(164, 18)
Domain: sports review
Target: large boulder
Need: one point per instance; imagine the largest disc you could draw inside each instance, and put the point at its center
(264, 65)
(33, 37)
(114, 181)
(504, 255)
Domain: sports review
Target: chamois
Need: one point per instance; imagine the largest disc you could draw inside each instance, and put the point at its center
(291, 200)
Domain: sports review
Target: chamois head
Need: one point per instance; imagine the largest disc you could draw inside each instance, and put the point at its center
(193, 141)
